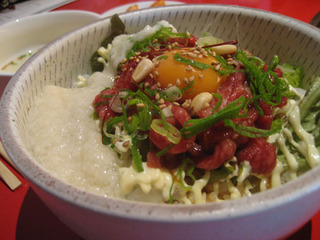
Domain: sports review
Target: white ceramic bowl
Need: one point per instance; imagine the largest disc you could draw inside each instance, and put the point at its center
(267, 215)
(29, 34)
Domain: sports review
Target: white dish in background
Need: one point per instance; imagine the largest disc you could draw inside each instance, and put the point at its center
(271, 214)
(141, 5)
(28, 34)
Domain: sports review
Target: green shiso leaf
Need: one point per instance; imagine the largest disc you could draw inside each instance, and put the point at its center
(117, 28)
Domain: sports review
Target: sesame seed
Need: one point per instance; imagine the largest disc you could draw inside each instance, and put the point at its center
(185, 80)
(156, 63)
(169, 85)
(178, 82)
(176, 103)
(156, 73)
(200, 75)
(126, 143)
(161, 101)
(192, 55)
(191, 78)
(205, 54)
(162, 106)
(140, 105)
(151, 75)
(218, 67)
(189, 68)
(157, 96)
(187, 104)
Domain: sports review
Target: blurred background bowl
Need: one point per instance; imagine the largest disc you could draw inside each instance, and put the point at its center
(272, 214)
(23, 37)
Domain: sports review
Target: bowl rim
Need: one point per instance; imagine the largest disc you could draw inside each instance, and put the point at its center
(261, 202)
(52, 13)
(37, 17)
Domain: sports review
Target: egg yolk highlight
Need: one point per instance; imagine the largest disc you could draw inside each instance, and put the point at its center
(170, 71)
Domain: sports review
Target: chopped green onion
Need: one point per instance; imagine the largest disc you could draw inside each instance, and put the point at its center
(172, 133)
(112, 121)
(186, 88)
(218, 104)
(189, 173)
(223, 62)
(253, 132)
(181, 169)
(137, 158)
(133, 124)
(164, 151)
(162, 57)
(145, 118)
(194, 126)
(264, 84)
(108, 128)
(193, 63)
(220, 173)
(147, 100)
(227, 72)
(153, 41)
(106, 96)
(174, 93)
(190, 170)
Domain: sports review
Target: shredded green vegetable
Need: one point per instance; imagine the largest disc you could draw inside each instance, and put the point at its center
(172, 133)
(155, 40)
(188, 167)
(194, 126)
(264, 85)
(193, 63)
(137, 158)
(253, 132)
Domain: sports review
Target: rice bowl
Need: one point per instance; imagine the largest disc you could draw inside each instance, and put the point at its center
(244, 217)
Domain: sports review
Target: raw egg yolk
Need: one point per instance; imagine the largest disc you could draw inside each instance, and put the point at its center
(170, 71)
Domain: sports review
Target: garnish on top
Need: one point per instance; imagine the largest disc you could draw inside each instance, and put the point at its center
(175, 103)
